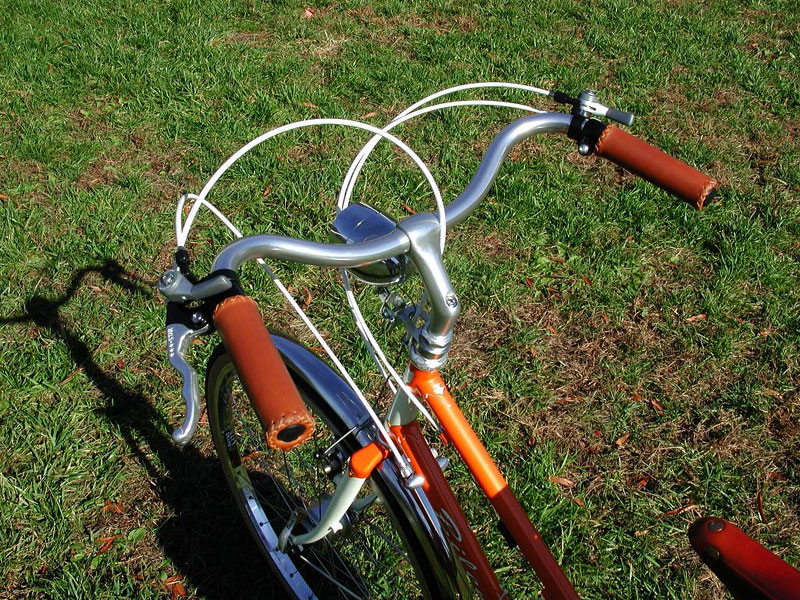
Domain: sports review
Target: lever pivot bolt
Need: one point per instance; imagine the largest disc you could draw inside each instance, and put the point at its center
(167, 278)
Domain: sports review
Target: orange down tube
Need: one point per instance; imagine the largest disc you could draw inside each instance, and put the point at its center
(431, 388)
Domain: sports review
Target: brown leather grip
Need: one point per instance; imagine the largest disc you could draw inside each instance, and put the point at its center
(747, 568)
(657, 167)
(266, 380)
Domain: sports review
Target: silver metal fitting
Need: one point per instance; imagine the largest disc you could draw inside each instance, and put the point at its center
(428, 356)
(167, 278)
(588, 105)
(586, 98)
(174, 286)
(414, 481)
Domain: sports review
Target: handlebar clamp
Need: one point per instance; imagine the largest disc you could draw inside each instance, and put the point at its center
(586, 132)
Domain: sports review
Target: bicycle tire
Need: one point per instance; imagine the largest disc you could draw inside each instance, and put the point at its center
(259, 492)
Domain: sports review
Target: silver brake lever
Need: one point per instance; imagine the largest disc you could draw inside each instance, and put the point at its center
(179, 337)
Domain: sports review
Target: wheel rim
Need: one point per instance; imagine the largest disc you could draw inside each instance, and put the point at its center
(366, 560)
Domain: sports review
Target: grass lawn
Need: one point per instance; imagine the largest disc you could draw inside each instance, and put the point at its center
(645, 356)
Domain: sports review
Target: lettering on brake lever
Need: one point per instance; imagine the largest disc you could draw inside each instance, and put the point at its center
(170, 343)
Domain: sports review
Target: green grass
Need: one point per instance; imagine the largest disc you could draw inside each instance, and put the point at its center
(109, 112)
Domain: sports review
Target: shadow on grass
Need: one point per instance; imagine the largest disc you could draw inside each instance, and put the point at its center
(204, 537)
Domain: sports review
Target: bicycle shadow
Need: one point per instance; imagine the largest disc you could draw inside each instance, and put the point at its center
(205, 537)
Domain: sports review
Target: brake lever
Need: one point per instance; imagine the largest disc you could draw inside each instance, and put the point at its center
(179, 336)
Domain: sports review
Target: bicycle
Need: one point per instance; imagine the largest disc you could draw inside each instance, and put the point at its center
(298, 441)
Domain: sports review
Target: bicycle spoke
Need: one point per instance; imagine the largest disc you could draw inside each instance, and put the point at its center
(346, 566)
(329, 578)
(266, 469)
(316, 475)
(294, 481)
(386, 538)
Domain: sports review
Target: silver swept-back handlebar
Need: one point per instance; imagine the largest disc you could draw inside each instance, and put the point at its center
(417, 236)
(353, 255)
(320, 254)
(510, 136)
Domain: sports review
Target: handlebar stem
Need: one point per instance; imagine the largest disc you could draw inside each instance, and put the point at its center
(429, 348)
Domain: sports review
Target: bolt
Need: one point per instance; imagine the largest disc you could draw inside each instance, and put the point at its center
(584, 149)
(716, 525)
(451, 300)
(414, 482)
(168, 278)
(198, 318)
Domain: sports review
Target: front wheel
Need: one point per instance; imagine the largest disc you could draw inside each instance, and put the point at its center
(386, 548)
